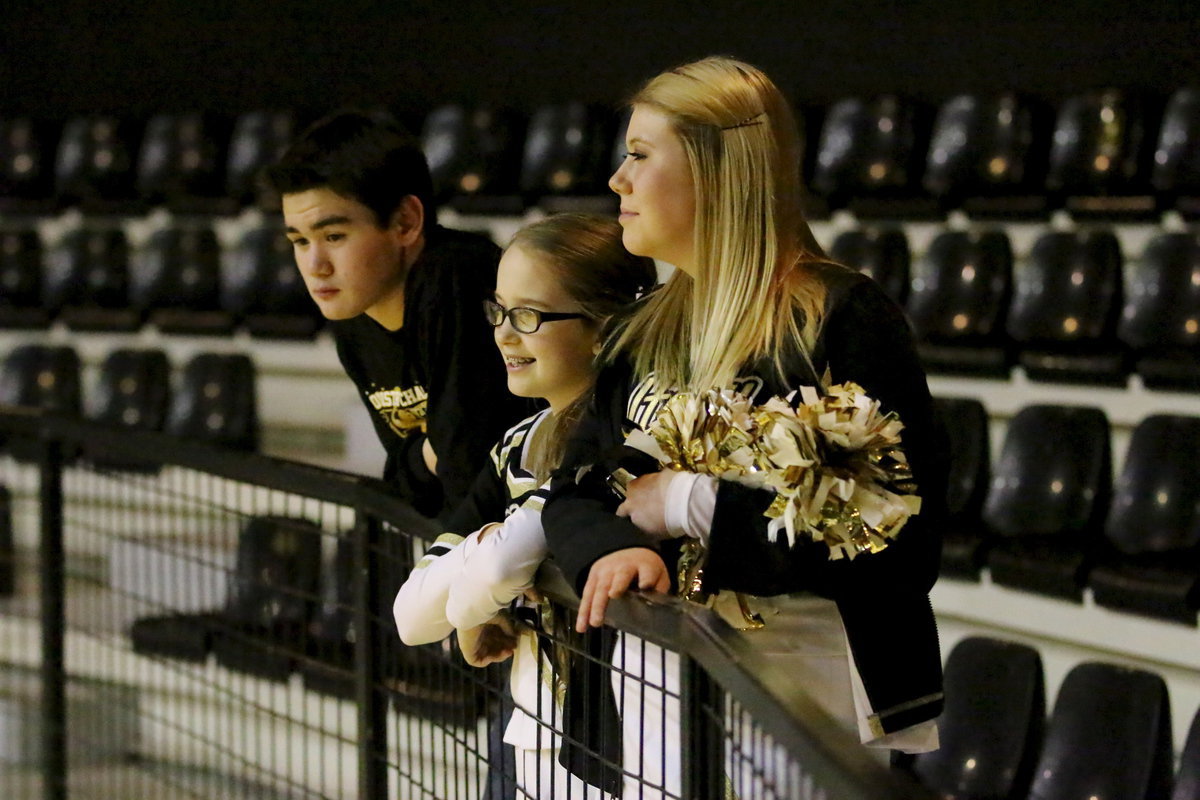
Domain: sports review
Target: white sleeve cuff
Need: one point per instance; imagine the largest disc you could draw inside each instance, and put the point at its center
(691, 501)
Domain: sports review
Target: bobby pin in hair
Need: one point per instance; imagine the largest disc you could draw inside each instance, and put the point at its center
(746, 122)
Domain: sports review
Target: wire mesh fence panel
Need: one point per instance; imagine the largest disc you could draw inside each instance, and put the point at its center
(190, 622)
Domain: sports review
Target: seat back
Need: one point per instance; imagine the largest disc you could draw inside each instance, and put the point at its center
(566, 150)
(87, 267)
(20, 268)
(1101, 145)
(178, 267)
(216, 401)
(966, 422)
(26, 153)
(992, 725)
(1054, 474)
(961, 287)
(1162, 298)
(42, 376)
(181, 158)
(1068, 293)
(258, 140)
(1108, 736)
(275, 581)
(880, 253)
(1187, 778)
(95, 161)
(1176, 167)
(870, 147)
(1156, 507)
(133, 389)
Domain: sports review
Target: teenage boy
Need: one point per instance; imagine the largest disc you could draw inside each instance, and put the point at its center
(404, 297)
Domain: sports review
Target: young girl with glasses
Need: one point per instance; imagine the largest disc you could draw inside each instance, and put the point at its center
(558, 282)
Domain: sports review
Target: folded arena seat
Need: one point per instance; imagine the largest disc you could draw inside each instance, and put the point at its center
(269, 602)
(957, 302)
(966, 539)
(21, 276)
(1065, 308)
(992, 726)
(1175, 175)
(1109, 736)
(1151, 562)
(1047, 500)
(879, 253)
(1160, 323)
(430, 681)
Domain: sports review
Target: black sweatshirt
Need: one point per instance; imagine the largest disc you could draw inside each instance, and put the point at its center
(882, 597)
(439, 376)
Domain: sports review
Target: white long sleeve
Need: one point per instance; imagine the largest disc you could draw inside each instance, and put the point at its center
(497, 570)
(420, 606)
(690, 503)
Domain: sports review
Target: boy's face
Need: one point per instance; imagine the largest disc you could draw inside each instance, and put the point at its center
(350, 265)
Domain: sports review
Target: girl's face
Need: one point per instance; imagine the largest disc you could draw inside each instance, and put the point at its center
(554, 362)
(658, 202)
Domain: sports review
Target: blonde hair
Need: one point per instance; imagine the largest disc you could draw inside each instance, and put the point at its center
(751, 241)
(585, 253)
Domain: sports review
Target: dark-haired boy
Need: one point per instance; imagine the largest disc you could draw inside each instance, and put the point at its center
(404, 296)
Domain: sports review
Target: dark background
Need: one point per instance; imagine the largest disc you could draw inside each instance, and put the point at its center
(58, 59)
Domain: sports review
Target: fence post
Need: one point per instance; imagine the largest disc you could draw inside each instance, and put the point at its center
(52, 572)
(702, 707)
(372, 701)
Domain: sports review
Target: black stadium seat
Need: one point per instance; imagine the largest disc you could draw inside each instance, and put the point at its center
(216, 401)
(263, 289)
(181, 161)
(987, 155)
(269, 600)
(27, 165)
(44, 377)
(176, 281)
(1065, 308)
(1109, 736)
(992, 726)
(133, 390)
(957, 302)
(94, 168)
(258, 139)
(1152, 564)
(1101, 156)
(85, 280)
(1161, 319)
(1175, 175)
(965, 540)
(880, 253)
(1049, 493)
(870, 157)
(564, 167)
(1187, 778)
(21, 280)
(475, 158)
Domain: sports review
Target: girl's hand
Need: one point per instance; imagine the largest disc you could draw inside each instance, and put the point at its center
(646, 503)
(491, 642)
(613, 575)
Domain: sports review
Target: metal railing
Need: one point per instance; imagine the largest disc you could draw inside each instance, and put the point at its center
(207, 623)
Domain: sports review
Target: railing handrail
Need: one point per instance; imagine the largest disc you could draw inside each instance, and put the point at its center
(729, 656)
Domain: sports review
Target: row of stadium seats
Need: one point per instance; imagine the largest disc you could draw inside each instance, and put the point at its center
(1074, 311)
(213, 398)
(1108, 735)
(1107, 153)
(1046, 515)
(179, 281)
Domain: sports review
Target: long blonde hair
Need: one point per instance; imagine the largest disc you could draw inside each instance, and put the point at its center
(751, 241)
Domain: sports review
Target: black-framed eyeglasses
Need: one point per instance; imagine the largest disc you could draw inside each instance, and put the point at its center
(523, 320)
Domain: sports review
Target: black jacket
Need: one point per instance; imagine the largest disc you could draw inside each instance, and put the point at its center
(440, 376)
(882, 597)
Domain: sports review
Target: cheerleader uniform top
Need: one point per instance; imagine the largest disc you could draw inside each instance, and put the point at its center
(461, 582)
(882, 598)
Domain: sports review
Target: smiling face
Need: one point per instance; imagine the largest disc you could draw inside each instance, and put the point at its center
(554, 362)
(658, 202)
(349, 263)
